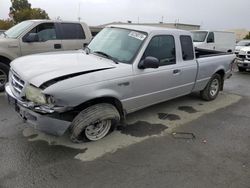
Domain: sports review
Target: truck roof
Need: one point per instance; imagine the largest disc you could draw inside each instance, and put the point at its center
(55, 21)
(151, 29)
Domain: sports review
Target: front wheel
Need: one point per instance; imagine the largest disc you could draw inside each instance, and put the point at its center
(4, 72)
(94, 123)
(212, 89)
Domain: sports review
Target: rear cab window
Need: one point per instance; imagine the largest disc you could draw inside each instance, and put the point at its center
(72, 31)
(187, 47)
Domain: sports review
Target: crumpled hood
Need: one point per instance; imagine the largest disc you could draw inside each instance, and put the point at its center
(40, 68)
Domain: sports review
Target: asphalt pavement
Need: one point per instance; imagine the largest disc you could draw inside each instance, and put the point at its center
(185, 142)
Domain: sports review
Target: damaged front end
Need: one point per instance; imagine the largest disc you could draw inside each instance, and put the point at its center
(36, 108)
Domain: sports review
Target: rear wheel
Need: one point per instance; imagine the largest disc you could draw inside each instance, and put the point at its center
(212, 89)
(4, 73)
(94, 123)
(241, 69)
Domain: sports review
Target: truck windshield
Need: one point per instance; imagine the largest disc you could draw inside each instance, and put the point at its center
(120, 44)
(18, 29)
(199, 36)
(243, 43)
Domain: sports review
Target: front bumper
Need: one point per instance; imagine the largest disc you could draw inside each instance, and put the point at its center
(43, 122)
(243, 63)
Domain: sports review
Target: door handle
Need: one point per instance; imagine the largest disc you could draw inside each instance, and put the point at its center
(57, 46)
(176, 71)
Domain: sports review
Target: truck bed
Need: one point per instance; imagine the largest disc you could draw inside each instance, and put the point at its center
(210, 62)
(202, 53)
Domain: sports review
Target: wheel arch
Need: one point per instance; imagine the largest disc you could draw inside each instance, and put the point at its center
(5, 60)
(222, 73)
(105, 99)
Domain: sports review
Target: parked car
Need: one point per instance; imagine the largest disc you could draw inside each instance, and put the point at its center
(241, 44)
(124, 69)
(37, 36)
(243, 59)
(214, 40)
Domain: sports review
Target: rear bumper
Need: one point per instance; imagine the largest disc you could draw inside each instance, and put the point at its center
(43, 122)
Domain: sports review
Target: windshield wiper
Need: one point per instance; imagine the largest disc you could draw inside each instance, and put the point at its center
(106, 55)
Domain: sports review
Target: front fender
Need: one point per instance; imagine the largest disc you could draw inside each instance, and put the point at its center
(8, 54)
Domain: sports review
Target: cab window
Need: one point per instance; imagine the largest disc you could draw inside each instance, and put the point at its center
(210, 38)
(163, 48)
(187, 47)
(45, 32)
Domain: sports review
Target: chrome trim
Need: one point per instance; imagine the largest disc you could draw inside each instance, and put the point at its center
(17, 84)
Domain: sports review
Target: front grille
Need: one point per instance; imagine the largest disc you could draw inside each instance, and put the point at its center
(17, 83)
(242, 56)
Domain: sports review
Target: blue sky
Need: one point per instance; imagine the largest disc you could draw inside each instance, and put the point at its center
(211, 14)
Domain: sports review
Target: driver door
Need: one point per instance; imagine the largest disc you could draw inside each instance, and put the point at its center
(174, 77)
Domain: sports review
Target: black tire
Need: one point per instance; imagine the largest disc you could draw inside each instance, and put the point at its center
(241, 69)
(93, 116)
(206, 94)
(4, 74)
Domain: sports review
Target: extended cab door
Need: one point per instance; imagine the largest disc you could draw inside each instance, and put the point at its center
(47, 41)
(175, 76)
(73, 36)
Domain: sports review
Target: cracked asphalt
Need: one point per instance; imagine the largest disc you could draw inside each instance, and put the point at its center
(218, 156)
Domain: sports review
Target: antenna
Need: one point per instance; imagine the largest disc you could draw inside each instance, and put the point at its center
(79, 12)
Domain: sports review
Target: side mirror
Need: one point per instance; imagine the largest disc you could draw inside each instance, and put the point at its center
(149, 62)
(85, 45)
(31, 37)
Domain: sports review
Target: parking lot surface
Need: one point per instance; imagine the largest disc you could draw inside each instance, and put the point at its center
(185, 142)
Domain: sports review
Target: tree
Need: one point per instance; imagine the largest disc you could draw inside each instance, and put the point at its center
(28, 14)
(19, 5)
(22, 10)
(6, 24)
(247, 36)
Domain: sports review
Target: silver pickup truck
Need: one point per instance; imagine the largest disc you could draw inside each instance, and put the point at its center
(124, 69)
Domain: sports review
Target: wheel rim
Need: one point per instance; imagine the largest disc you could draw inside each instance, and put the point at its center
(98, 130)
(3, 78)
(214, 88)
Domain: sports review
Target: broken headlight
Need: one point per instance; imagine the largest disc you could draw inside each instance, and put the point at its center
(35, 95)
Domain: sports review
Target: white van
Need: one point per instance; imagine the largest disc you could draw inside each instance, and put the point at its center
(214, 40)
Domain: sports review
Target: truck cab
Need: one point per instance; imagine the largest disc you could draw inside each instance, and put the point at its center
(38, 36)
